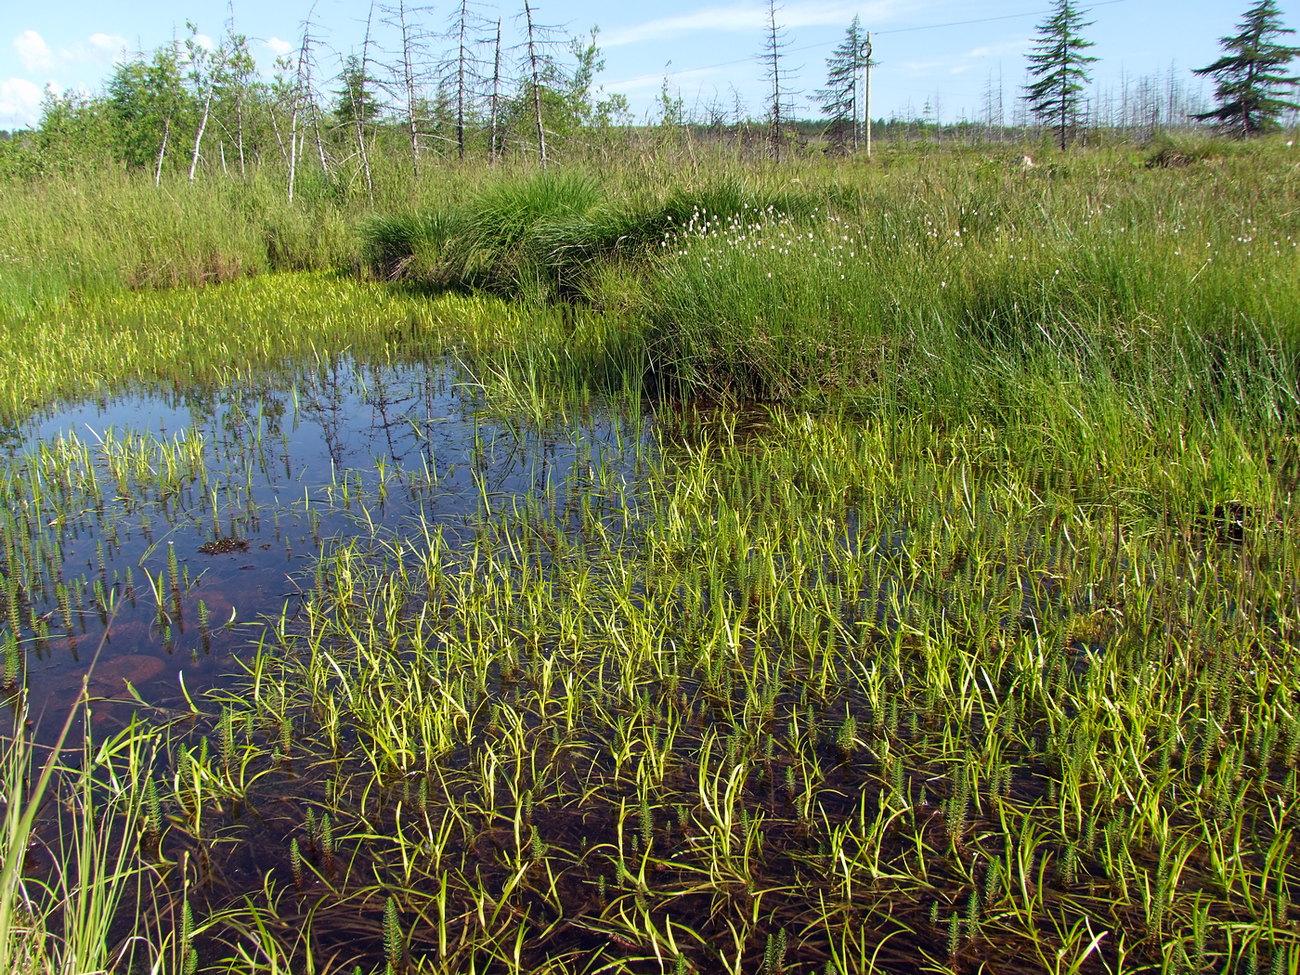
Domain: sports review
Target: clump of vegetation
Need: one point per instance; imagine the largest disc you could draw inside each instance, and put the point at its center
(544, 236)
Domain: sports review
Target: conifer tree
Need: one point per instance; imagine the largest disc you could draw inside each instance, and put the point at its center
(355, 101)
(1060, 67)
(839, 99)
(1248, 78)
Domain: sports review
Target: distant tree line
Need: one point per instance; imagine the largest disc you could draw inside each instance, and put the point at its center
(430, 93)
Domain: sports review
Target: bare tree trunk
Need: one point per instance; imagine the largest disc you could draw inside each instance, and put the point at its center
(408, 80)
(356, 116)
(772, 57)
(162, 151)
(320, 144)
(461, 57)
(300, 97)
(293, 147)
(495, 106)
(534, 61)
(239, 130)
(198, 138)
(866, 94)
(279, 139)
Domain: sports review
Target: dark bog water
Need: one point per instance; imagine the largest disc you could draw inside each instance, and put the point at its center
(153, 533)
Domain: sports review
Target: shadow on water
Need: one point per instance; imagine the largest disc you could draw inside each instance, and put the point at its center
(170, 526)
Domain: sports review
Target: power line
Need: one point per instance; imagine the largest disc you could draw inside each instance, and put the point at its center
(896, 30)
(989, 20)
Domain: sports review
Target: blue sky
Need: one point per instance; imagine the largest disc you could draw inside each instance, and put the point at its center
(940, 54)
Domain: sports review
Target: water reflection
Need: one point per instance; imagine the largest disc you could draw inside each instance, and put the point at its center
(158, 529)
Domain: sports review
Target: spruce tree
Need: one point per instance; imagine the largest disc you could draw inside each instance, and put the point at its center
(356, 102)
(839, 99)
(1249, 78)
(1060, 67)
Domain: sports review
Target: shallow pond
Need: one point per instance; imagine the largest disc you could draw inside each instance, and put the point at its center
(152, 533)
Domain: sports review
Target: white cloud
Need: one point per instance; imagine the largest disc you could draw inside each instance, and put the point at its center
(278, 47)
(96, 49)
(33, 51)
(110, 44)
(37, 57)
(654, 82)
(204, 41)
(750, 17)
(959, 63)
(20, 103)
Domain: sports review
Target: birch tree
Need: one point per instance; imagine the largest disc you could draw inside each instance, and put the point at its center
(233, 80)
(205, 66)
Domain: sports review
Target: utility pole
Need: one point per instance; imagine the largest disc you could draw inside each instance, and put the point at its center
(866, 94)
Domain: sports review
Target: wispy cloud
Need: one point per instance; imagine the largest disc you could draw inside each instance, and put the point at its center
(960, 63)
(32, 50)
(110, 44)
(37, 55)
(96, 49)
(20, 103)
(750, 17)
(653, 82)
(278, 47)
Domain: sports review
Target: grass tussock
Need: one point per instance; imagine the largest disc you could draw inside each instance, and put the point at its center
(544, 236)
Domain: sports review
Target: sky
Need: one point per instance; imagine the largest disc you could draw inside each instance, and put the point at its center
(935, 58)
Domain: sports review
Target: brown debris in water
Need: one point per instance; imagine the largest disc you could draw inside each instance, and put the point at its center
(223, 546)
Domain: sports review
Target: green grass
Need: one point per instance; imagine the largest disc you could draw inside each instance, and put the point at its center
(93, 901)
(947, 623)
(543, 237)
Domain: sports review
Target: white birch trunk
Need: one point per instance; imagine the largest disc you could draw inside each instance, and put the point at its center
(162, 151)
(198, 137)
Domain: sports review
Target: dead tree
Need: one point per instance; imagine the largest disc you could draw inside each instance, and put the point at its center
(359, 110)
(409, 73)
(534, 71)
(494, 101)
(463, 72)
(779, 107)
(540, 69)
(234, 80)
(205, 67)
(302, 100)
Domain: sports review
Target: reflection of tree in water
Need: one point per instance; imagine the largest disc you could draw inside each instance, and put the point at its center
(325, 395)
(391, 402)
(404, 405)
